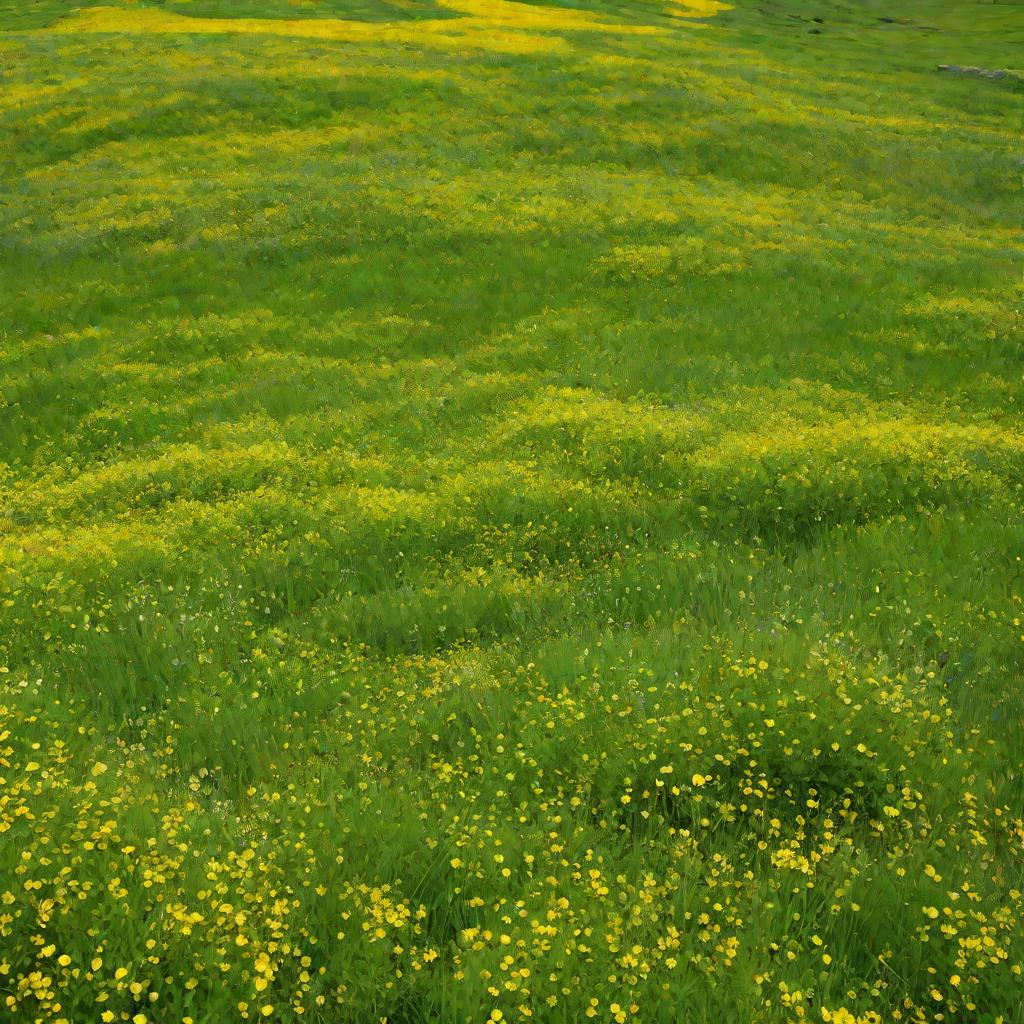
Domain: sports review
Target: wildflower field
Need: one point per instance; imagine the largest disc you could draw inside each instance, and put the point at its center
(511, 511)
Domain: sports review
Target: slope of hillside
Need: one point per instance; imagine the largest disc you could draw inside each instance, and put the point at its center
(511, 511)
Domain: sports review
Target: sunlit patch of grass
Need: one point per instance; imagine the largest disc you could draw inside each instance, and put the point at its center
(501, 26)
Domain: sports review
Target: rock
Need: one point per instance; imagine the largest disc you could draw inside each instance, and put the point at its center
(957, 69)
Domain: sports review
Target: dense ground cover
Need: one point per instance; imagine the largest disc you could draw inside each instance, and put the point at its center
(510, 511)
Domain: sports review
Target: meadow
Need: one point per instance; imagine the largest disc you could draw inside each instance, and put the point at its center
(511, 512)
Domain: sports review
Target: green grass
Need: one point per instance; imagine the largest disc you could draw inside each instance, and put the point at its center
(511, 519)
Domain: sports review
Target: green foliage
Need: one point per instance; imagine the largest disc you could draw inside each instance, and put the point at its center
(510, 512)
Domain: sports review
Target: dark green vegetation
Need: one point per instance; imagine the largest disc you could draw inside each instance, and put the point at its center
(511, 511)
